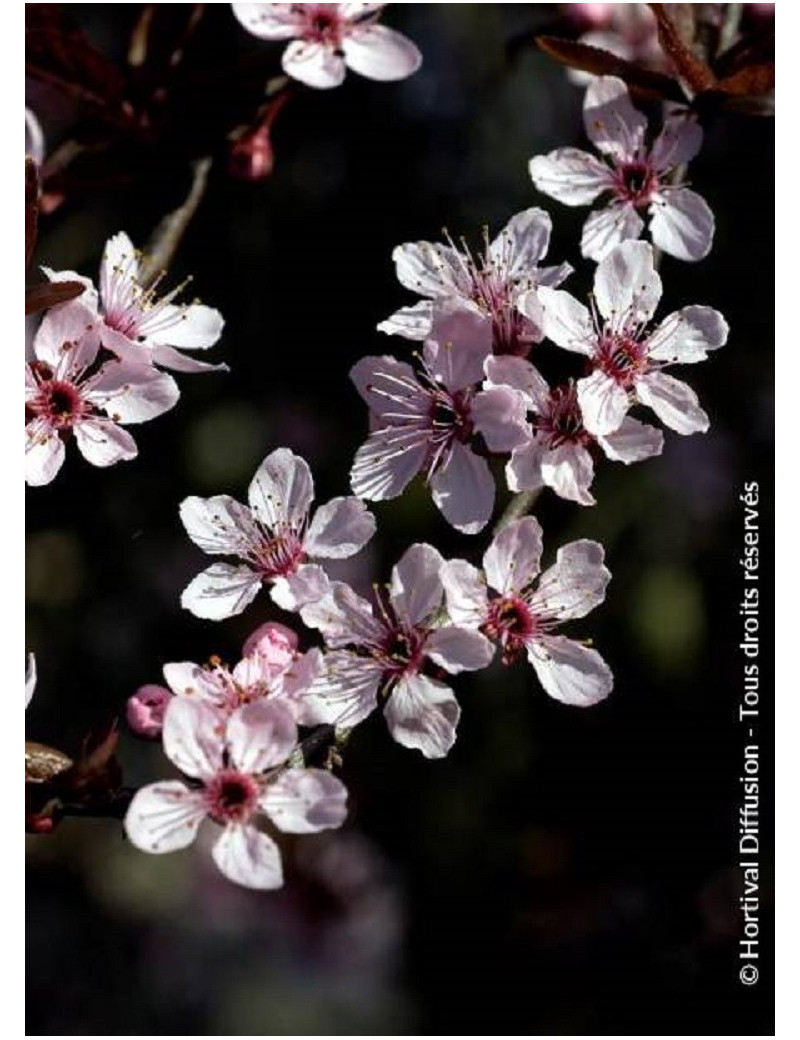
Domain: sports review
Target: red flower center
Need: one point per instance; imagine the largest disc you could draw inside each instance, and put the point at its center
(511, 624)
(231, 796)
(636, 182)
(281, 554)
(563, 421)
(622, 357)
(57, 401)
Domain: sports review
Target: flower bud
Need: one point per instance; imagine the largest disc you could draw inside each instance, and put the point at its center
(145, 710)
(275, 644)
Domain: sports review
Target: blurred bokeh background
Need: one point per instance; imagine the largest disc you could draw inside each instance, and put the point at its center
(562, 871)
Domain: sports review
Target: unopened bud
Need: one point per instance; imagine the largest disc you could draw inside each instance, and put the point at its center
(145, 710)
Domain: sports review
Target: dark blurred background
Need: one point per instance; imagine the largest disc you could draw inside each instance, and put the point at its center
(562, 871)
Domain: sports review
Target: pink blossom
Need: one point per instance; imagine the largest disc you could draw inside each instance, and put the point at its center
(629, 31)
(490, 282)
(327, 39)
(243, 774)
(273, 538)
(559, 453)
(425, 421)
(70, 390)
(637, 177)
(275, 644)
(382, 654)
(521, 616)
(145, 710)
(627, 358)
(136, 323)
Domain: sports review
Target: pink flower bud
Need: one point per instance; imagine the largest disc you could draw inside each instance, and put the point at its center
(145, 710)
(252, 157)
(275, 643)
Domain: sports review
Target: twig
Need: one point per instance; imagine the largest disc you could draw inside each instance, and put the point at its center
(519, 506)
(168, 234)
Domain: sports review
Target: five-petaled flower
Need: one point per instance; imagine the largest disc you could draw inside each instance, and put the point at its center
(273, 538)
(242, 770)
(490, 282)
(71, 390)
(637, 177)
(425, 420)
(626, 357)
(134, 322)
(521, 615)
(328, 39)
(383, 653)
(559, 452)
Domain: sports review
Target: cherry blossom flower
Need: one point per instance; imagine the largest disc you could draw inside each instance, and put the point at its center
(382, 653)
(275, 644)
(146, 709)
(521, 616)
(30, 678)
(69, 390)
(243, 774)
(328, 39)
(136, 323)
(490, 282)
(424, 420)
(627, 357)
(637, 177)
(629, 31)
(273, 538)
(559, 454)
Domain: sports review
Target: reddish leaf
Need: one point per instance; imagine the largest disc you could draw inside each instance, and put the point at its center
(598, 62)
(750, 81)
(49, 294)
(752, 49)
(689, 67)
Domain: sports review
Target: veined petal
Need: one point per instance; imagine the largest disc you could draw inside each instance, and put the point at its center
(309, 583)
(674, 402)
(343, 617)
(220, 525)
(458, 649)
(431, 269)
(603, 402)
(282, 490)
(687, 335)
(567, 322)
(626, 283)
(423, 714)
(575, 584)
(305, 801)
(221, 591)
(569, 471)
(632, 442)
(412, 322)
(612, 124)
(499, 414)
(195, 327)
(523, 242)
(390, 388)
(463, 489)
(387, 462)
(103, 443)
(187, 679)
(132, 393)
(681, 223)
(68, 339)
(270, 21)
(44, 453)
(519, 374)
(513, 559)
(340, 528)
(345, 692)
(524, 468)
(415, 590)
(260, 735)
(465, 593)
(172, 359)
(315, 64)
(248, 857)
(164, 817)
(679, 142)
(460, 341)
(194, 737)
(569, 672)
(380, 53)
(571, 176)
(606, 228)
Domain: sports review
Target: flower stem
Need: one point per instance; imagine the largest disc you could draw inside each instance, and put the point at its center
(519, 505)
(170, 230)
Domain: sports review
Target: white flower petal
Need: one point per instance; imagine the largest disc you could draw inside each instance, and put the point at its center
(194, 737)
(412, 322)
(247, 857)
(430, 269)
(575, 584)
(305, 801)
(571, 176)
(260, 735)
(44, 453)
(465, 593)
(499, 415)
(30, 678)
(463, 489)
(68, 338)
(387, 462)
(415, 590)
(380, 53)
(219, 525)
(460, 341)
(569, 672)
(524, 468)
(343, 617)
(187, 679)
(569, 471)
(603, 402)
(221, 591)
(309, 583)
(172, 359)
(632, 442)
(679, 142)
(270, 21)
(132, 393)
(282, 490)
(195, 327)
(340, 528)
(612, 124)
(315, 64)
(682, 224)
(567, 322)
(389, 387)
(164, 817)
(459, 649)
(522, 243)
(606, 228)
(520, 374)
(626, 283)
(344, 693)
(103, 443)
(513, 559)
(423, 714)
(687, 335)
(674, 402)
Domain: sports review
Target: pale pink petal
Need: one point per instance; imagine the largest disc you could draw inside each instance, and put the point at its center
(626, 283)
(571, 176)
(513, 559)
(345, 692)
(524, 468)
(520, 374)
(632, 442)
(463, 489)
(44, 453)
(499, 415)
(569, 672)
(522, 243)
(219, 525)
(415, 590)
(380, 53)
(343, 617)
(68, 339)
(606, 228)
(260, 735)
(30, 678)
(567, 322)
(339, 529)
(274, 642)
(172, 359)
(575, 584)
(195, 327)
(221, 591)
(282, 489)
(305, 801)
(423, 714)
(569, 471)
(103, 443)
(187, 679)
(309, 583)
(612, 124)
(412, 322)
(315, 64)
(603, 403)
(355, 11)
(552, 277)
(430, 269)
(389, 387)
(270, 21)
(681, 223)
(34, 138)
(297, 680)
(687, 335)
(530, 306)
(387, 462)
(119, 255)
(465, 593)
(194, 737)
(460, 341)
(132, 393)
(674, 402)
(247, 857)
(125, 347)
(679, 142)
(458, 649)
(164, 817)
